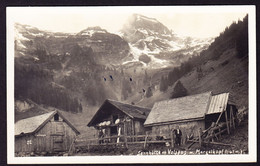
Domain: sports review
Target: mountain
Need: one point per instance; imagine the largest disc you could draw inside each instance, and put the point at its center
(106, 46)
(222, 68)
(67, 69)
(154, 45)
(142, 42)
(75, 70)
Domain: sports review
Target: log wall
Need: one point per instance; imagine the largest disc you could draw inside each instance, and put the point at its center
(55, 134)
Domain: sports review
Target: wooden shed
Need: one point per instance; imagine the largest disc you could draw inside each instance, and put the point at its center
(50, 132)
(116, 118)
(189, 113)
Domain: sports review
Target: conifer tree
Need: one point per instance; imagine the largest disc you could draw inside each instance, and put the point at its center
(163, 84)
(179, 90)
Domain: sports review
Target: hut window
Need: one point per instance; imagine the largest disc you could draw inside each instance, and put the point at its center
(29, 142)
(115, 117)
(114, 130)
(56, 117)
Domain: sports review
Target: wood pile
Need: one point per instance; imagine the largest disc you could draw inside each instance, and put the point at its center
(215, 131)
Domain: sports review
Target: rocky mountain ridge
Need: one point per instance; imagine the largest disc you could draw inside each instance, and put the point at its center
(143, 41)
(150, 38)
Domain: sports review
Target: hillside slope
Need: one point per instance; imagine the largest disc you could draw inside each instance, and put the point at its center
(227, 74)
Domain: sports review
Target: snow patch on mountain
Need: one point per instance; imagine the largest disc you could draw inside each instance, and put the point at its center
(140, 18)
(19, 36)
(91, 32)
(155, 62)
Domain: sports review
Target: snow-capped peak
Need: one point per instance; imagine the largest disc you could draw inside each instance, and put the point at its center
(147, 36)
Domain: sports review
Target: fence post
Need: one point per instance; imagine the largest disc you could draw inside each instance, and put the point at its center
(145, 140)
(126, 141)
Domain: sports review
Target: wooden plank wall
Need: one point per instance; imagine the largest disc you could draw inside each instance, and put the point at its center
(187, 128)
(42, 141)
(24, 144)
(139, 127)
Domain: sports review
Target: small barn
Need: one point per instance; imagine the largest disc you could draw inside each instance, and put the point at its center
(189, 113)
(116, 118)
(50, 132)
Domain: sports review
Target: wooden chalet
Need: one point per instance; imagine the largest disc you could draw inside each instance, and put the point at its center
(116, 118)
(189, 113)
(50, 132)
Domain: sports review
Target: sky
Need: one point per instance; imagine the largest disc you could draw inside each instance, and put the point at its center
(203, 21)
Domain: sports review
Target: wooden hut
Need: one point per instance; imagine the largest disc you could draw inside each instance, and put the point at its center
(50, 132)
(189, 113)
(116, 118)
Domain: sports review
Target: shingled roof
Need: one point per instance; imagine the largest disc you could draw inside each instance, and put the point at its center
(179, 109)
(34, 124)
(187, 108)
(135, 112)
(132, 110)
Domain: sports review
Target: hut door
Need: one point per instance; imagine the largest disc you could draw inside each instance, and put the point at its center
(128, 127)
(41, 143)
(58, 142)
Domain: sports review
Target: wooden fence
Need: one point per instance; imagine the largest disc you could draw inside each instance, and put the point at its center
(123, 140)
(207, 136)
(215, 130)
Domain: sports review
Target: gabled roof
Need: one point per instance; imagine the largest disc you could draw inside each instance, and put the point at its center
(179, 109)
(187, 108)
(135, 112)
(132, 110)
(34, 124)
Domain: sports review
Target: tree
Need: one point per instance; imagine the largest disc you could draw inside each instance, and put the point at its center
(146, 78)
(126, 89)
(179, 90)
(149, 92)
(163, 84)
(242, 39)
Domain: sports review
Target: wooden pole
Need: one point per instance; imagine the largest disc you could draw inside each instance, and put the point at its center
(233, 117)
(219, 131)
(125, 135)
(133, 129)
(200, 137)
(227, 122)
(145, 140)
(219, 116)
(230, 119)
(216, 134)
(172, 142)
(72, 143)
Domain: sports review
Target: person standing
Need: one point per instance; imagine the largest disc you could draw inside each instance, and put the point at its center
(100, 136)
(178, 135)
